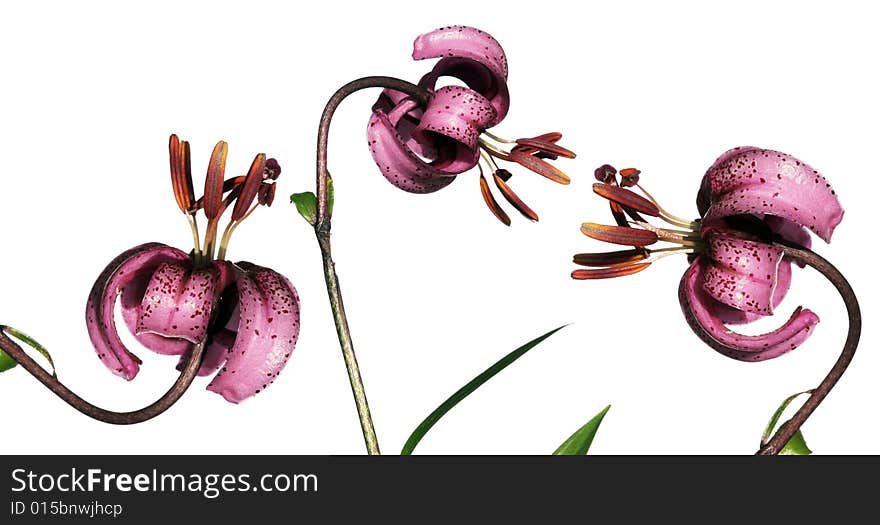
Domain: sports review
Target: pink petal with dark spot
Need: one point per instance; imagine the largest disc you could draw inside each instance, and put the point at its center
(132, 266)
(267, 333)
(130, 302)
(179, 302)
(398, 163)
(742, 273)
(700, 311)
(215, 354)
(470, 55)
(458, 115)
(766, 182)
(730, 315)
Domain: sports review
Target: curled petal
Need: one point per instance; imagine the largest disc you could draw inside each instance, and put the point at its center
(456, 116)
(215, 354)
(470, 55)
(699, 311)
(267, 332)
(400, 165)
(130, 303)
(751, 181)
(178, 302)
(742, 273)
(131, 267)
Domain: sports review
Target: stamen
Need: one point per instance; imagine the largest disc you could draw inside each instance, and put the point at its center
(214, 181)
(608, 273)
(617, 258)
(496, 138)
(619, 234)
(606, 173)
(491, 202)
(629, 177)
(531, 146)
(539, 166)
(181, 177)
(668, 217)
(688, 238)
(626, 198)
(512, 197)
(250, 187)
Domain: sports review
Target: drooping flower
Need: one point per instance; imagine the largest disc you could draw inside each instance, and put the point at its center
(748, 199)
(421, 150)
(247, 316)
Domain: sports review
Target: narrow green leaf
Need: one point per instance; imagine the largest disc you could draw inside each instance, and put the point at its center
(30, 341)
(579, 442)
(6, 361)
(306, 205)
(796, 445)
(468, 389)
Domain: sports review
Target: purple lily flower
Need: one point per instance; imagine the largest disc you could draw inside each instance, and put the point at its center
(747, 198)
(247, 316)
(421, 150)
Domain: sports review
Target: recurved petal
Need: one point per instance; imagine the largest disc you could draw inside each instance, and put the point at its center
(742, 273)
(130, 305)
(729, 315)
(398, 163)
(700, 312)
(455, 115)
(215, 354)
(470, 55)
(766, 182)
(266, 335)
(179, 302)
(130, 267)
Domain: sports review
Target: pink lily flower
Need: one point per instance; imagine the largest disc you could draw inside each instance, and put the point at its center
(748, 198)
(247, 316)
(421, 150)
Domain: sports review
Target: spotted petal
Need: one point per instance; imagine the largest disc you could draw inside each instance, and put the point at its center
(397, 162)
(473, 57)
(741, 273)
(752, 181)
(130, 268)
(700, 311)
(267, 332)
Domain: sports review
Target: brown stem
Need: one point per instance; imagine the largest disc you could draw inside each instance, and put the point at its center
(787, 430)
(322, 232)
(107, 416)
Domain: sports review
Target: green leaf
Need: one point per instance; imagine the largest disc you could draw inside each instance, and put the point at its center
(6, 361)
(468, 389)
(306, 205)
(796, 446)
(28, 340)
(579, 442)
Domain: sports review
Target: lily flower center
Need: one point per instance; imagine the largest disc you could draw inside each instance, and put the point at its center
(629, 209)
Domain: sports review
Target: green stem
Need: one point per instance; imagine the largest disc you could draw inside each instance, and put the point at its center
(322, 232)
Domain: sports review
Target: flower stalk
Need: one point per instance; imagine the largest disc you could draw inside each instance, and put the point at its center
(790, 427)
(322, 233)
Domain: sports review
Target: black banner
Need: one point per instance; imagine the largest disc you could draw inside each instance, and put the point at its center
(135, 489)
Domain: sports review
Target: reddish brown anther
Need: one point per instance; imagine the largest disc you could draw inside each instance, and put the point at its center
(619, 234)
(606, 173)
(213, 200)
(608, 273)
(539, 166)
(181, 176)
(492, 203)
(626, 198)
(536, 145)
(266, 196)
(617, 258)
(629, 177)
(513, 198)
(251, 186)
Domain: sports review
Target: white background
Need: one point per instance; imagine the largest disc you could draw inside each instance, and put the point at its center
(436, 288)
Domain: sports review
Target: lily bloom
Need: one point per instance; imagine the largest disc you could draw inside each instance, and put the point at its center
(247, 316)
(748, 199)
(421, 150)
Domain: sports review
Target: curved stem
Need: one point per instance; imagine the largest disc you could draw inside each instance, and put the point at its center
(322, 232)
(787, 430)
(107, 416)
